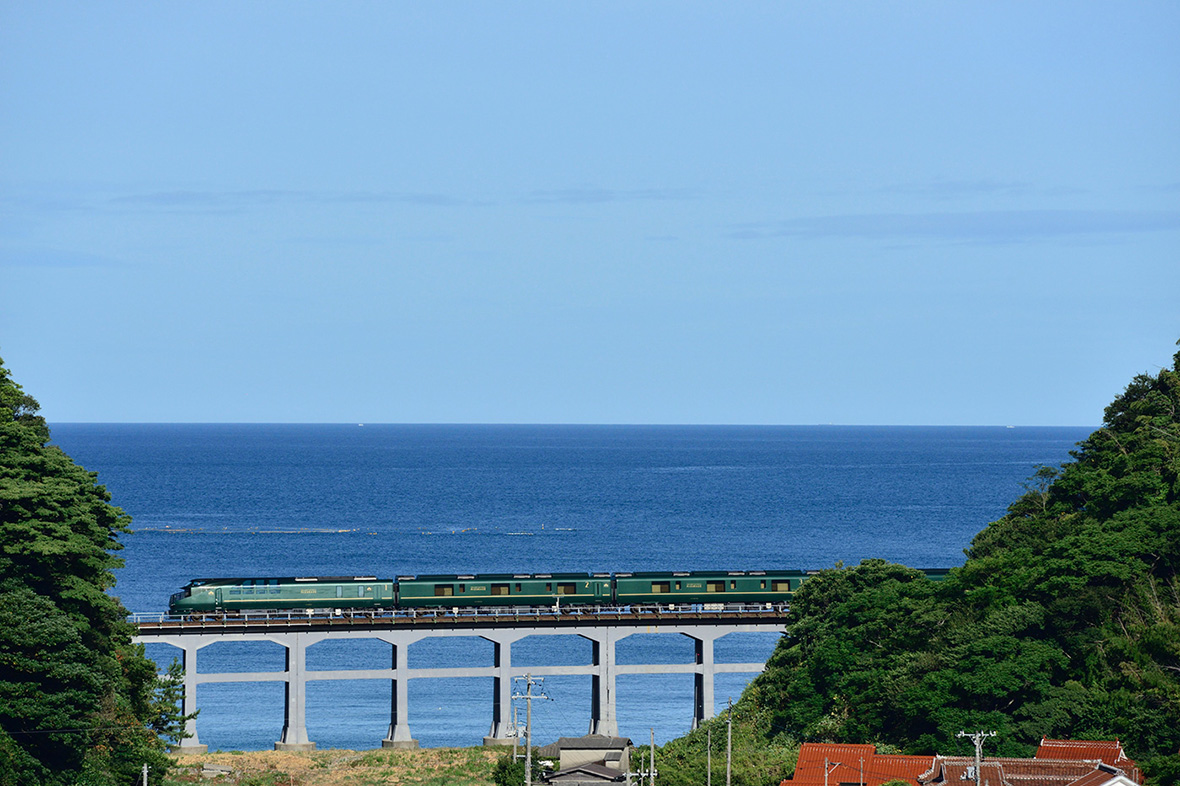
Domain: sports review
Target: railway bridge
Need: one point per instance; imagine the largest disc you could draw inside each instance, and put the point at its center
(604, 627)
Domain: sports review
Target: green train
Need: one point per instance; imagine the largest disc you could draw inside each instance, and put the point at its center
(229, 595)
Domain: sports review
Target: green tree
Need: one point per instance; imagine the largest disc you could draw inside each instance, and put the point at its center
(75, 694)
(1064, 621)
(508, 771)
(165, 717)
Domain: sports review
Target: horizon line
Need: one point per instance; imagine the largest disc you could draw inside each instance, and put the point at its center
(552, 423)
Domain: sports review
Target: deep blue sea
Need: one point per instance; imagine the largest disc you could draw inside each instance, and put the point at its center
(282, 500)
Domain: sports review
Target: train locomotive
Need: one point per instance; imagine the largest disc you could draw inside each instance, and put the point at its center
(230, 595)
(710, 589)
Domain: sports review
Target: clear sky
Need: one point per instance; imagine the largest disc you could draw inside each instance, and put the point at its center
(588, 212)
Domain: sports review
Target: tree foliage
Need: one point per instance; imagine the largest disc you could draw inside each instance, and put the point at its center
(1064, 622)
(758, 754)
(76, 696)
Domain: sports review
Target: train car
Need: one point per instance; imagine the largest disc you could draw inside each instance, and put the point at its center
(754, 586)
(315, 592)
(493, 589)
(503, 589)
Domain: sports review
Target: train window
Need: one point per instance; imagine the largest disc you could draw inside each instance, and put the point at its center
(714, 586)
(732, 584)
(661, 586)
(360, 591)
(549, 588)
(762, 584)
(235, 591)
(248, 591)
(339, 591)
(518, 586)
(781, 586)
(274, 587)
(444, 589)
(499, 589)
(565, 588)
(678, 585)
(462, 587)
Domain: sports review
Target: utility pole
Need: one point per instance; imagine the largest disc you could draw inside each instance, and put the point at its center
(515, 733)
(145, 769)
(651, 767)
(977, 738)
(528, 696)
(709, 756)
(828, 769)
(729, 742)
(862, 771)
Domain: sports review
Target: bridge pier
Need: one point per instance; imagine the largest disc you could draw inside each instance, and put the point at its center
(502, 731)
(399, 735)
(702, 688)
(602, 681)
(294, 737)
(188, 705)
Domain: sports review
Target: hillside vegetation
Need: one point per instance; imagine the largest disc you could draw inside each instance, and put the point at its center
(80, 705)
(1064, 622)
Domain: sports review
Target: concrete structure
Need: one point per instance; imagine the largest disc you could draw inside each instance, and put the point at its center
(603, 629)
(610, 752)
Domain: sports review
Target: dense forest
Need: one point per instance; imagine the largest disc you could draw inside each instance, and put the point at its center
(79, 703)
(1064, 623)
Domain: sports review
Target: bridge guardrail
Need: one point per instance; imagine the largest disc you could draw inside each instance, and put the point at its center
(490, 616)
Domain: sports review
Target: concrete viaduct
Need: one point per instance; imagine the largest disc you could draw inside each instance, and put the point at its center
(602, 627)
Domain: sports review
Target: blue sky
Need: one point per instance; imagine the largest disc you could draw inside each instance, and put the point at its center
(862, 213)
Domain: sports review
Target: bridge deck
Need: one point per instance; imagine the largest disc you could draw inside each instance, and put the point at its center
(162, 624)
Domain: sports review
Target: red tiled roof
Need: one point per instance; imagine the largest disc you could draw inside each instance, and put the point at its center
(1108, 751)
(997, 771)
(1095, 778)
(854, 764)
(905, 768)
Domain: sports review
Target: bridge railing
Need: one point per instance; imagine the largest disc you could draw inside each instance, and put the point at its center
(457, 613)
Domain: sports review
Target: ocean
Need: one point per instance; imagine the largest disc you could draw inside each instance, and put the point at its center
(281, 500)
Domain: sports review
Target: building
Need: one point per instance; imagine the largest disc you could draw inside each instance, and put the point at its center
(824, 764)
(593, 759)
(1107, 751)
(1057, 763)
(997, 771)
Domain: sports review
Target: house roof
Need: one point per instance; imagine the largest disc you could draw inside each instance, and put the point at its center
(596, 773)
(997, 771)
(593, 742)
(854, 764)
(589, 742)
(1098, 777)
(1108, 751)
(905, 768)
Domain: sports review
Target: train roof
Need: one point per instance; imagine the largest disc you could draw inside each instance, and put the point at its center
(933, 573)
(707, 573)
(232, 580)
(501, 576)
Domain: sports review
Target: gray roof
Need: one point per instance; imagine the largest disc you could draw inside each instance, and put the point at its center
(597, 773)
(593, 741)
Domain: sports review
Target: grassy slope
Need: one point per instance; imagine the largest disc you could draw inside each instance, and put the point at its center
(423, 767)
